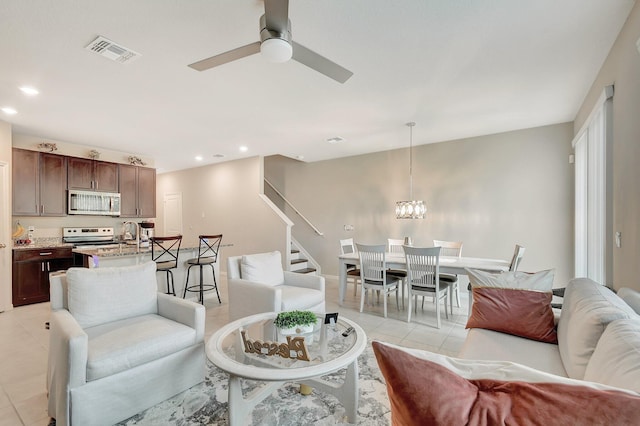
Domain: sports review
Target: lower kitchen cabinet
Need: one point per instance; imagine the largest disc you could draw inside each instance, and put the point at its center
(31, 269)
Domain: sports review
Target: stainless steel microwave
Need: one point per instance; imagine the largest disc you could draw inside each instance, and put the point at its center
(93, 203)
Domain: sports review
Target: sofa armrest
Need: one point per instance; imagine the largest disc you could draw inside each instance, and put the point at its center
(315, 282)
(183, 311)
(67, 366)
(248, 298)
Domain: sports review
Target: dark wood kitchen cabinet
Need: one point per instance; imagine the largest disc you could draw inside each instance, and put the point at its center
(138, 191)
(31, 269)
(39, 183)
(92, 175)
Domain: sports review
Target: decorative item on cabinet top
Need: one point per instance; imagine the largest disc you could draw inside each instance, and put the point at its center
(136, 161)
(47, 146)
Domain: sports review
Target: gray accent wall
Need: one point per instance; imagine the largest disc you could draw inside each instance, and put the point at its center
(622, 69)
(491, 192)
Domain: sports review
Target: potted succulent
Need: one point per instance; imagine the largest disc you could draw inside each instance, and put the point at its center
(295, 322)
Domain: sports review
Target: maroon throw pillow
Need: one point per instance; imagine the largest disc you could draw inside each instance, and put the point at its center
(523, 313)
(422, 392)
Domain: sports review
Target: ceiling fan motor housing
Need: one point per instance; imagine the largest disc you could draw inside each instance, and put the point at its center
(275, 45)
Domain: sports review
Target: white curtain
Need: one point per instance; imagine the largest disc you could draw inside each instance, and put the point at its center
(593, 231)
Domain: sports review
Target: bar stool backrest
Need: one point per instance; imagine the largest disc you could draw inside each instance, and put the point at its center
(161, 250)
(209, 247)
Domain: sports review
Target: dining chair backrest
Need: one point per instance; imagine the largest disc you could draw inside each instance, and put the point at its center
(373, 265)
(209, 247)
(347, 246)
(423, 266)
(449, 248)
(166, 249)
(395, 246)
(517, 258)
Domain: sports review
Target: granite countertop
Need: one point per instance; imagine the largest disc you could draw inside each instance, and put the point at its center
(42, 243)
(120, 251)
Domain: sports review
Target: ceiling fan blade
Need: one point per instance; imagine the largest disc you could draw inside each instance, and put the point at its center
(276, 14)
(225, 57)
(320, 63)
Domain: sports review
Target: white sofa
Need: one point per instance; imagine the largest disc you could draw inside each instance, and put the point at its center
(598, 340)
(117, 346)
(257, 283)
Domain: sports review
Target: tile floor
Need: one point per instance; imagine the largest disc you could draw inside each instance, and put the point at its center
(24, 343)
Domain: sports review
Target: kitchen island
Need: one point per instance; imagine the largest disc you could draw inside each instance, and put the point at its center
(125, 254)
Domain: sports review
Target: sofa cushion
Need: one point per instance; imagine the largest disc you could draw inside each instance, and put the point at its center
(300, 298)
(264, 268)
(482, 344)
(587, 309)
(631, 298)
(616, 359)
(426, 388)
(125, 344)
(100, 295)
(517, 303)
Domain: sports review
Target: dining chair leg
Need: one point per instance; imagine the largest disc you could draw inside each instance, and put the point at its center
(438, 312)
(410, 307)
(363, 292)
(215, 282)
(384, 300)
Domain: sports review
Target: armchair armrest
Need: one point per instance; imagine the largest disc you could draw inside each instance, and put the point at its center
(248, 298)
(67, 368)
(183, 311)
(315, 282)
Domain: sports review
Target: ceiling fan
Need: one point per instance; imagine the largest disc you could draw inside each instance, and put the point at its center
(276, 45)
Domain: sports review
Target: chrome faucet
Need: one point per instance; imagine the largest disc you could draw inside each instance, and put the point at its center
(137, 227)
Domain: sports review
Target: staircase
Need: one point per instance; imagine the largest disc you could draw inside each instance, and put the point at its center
(299, 264)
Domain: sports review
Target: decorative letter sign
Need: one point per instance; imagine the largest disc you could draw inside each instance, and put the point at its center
(294, 348)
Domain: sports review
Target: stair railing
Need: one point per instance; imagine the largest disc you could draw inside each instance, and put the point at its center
(294, 208)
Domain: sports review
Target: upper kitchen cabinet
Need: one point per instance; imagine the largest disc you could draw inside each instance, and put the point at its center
(92, 175)
(138, 191)
(39, 183)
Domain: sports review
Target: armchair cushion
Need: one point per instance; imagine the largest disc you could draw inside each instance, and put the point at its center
(300, 298)
(121, 345)
(100, 295)
(264, 268)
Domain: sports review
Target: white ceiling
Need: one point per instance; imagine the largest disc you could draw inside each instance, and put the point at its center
(458, 68)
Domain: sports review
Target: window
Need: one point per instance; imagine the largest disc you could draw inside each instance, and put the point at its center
(593, 230)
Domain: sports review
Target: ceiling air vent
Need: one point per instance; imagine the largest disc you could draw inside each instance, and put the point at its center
(110, 50)
(335, 139)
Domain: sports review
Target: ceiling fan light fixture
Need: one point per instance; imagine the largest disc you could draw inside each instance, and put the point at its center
(276, 50)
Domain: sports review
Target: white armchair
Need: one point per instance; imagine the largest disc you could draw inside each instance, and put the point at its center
(257, 283)
(117, 346)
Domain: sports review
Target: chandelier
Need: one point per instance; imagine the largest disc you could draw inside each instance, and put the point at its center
(412, 209)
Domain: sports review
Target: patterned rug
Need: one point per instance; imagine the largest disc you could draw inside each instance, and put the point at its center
(206, 404)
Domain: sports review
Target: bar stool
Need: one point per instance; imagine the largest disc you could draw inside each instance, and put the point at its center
(165, 258)
(208, 249)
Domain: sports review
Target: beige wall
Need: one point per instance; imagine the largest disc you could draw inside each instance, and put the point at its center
(5, 217)
(224, 199)
(622, 68)
(490, 192)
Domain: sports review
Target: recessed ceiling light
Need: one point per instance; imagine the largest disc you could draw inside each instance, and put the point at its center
(244, 149)
(9, 110)
(30, 91)
(335, 139)
(198, 157)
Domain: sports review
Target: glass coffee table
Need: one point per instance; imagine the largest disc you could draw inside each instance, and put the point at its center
(252, 348)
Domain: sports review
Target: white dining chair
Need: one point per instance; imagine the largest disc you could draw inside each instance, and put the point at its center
(423, 269)
(518, 253)
(395, 246)
(453, 249)
(353, 272)
(373, 274)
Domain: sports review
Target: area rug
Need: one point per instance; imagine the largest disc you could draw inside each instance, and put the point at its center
(206, 404)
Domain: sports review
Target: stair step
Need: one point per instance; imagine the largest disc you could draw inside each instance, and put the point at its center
(305, 271)
(294, 261)
(294, 251)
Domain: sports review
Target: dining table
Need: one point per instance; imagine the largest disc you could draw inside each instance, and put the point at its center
(448, 264)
